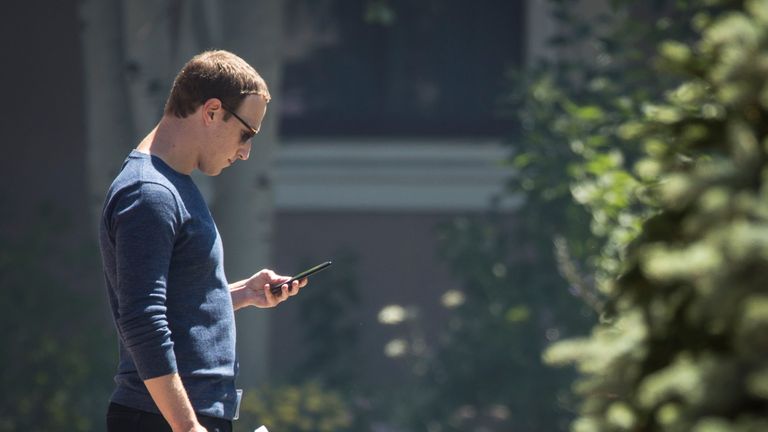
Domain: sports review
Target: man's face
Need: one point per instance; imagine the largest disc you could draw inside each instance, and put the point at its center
(234, 136)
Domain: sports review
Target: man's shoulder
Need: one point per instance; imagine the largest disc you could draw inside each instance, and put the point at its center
(140, 184)
(145, 181)
(141, 196)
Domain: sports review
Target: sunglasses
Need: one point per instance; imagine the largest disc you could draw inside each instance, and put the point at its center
(251, 130)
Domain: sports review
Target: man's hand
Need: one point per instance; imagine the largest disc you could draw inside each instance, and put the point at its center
(256, 289)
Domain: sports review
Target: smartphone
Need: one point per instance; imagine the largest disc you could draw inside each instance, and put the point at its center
(275, 288)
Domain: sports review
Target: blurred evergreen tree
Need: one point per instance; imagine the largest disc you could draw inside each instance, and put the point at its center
(684, 346)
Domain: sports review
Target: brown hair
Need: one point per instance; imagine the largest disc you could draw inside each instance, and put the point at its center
(214, 74)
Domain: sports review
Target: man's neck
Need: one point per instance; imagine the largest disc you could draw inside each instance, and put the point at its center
(168, 142)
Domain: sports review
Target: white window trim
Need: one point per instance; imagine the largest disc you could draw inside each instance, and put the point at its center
(390, 175)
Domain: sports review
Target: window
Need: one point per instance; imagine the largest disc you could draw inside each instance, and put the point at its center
(437, 69)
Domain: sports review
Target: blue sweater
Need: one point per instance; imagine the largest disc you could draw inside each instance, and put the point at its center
(164, 268)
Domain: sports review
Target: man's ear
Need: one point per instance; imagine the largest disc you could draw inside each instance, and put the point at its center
(210, 108)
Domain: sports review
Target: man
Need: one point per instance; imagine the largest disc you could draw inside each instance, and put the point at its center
(163, 257)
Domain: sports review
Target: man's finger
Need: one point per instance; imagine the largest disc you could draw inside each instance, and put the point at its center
(271, 299)
(295, 288)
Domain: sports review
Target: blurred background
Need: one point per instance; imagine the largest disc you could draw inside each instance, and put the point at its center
(460, 162)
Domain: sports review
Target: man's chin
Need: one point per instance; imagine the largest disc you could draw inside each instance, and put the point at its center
(212, 172)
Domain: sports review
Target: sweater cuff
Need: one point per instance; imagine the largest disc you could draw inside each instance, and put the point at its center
(153, 363)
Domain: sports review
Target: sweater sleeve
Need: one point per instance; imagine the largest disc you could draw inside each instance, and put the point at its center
(145, 221)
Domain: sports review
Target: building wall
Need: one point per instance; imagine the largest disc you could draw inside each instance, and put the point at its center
(396, 263)
(382, 202)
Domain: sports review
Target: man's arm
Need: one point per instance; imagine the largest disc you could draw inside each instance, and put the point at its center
(255, 291)
(147, 215)
(169, 395)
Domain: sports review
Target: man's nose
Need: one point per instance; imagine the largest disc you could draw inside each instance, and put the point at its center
(245, 153)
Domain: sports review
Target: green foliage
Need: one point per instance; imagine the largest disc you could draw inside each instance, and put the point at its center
(54, 362)
(303, 408)
(577, 141)
(685, 346)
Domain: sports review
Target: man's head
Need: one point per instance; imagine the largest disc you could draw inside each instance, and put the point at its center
(214, 74)
(222, 100)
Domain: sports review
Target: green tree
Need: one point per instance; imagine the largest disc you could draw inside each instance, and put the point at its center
(684, 346)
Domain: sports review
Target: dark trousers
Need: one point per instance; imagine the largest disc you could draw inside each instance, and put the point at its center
(124, 419)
